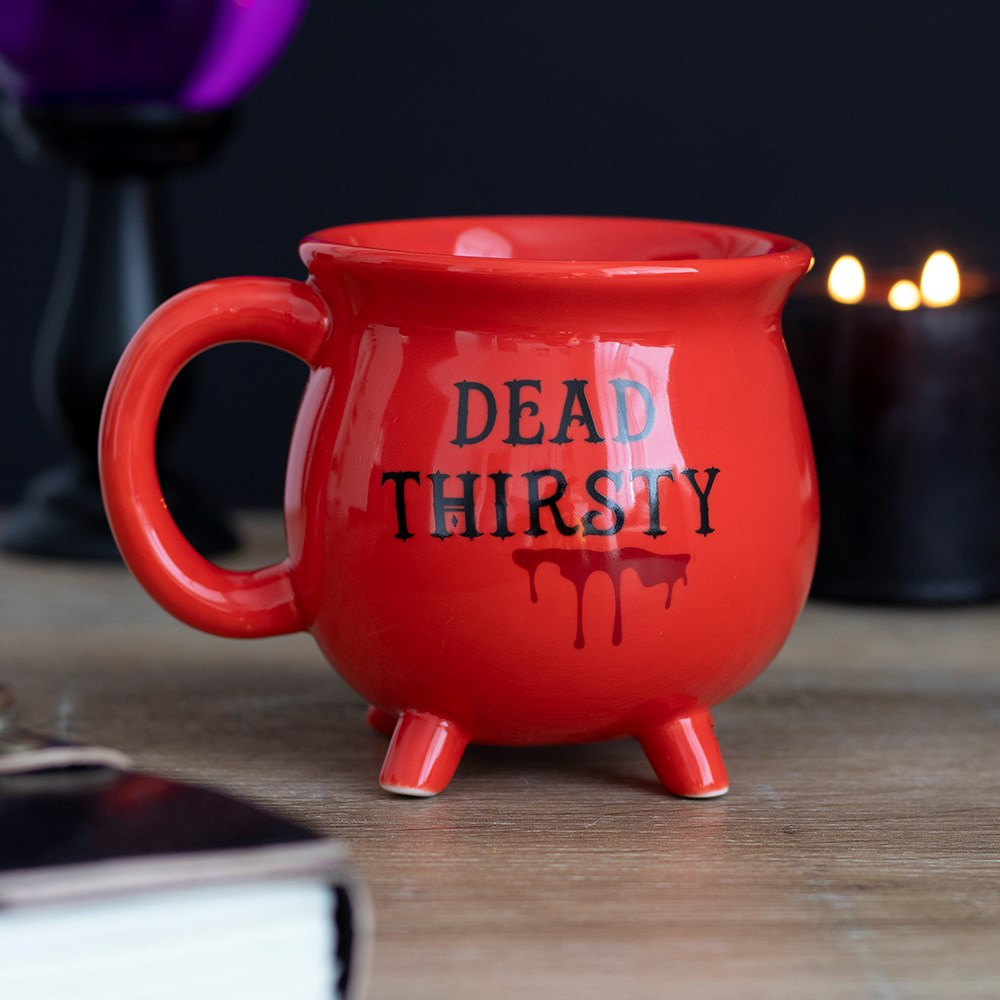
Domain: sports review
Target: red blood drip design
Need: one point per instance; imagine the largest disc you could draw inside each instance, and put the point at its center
(578, 565)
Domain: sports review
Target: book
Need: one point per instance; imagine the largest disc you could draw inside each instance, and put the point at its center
(119, 884)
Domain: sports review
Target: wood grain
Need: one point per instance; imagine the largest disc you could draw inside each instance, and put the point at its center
(857, 855)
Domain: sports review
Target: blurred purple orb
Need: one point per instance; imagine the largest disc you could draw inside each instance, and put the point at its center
(199, 55)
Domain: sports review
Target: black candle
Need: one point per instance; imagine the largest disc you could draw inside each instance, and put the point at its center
(904, 410)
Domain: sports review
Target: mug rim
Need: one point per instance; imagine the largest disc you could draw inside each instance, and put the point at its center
(382, 242)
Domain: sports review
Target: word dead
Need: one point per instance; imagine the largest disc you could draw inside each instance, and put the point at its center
(522, 410)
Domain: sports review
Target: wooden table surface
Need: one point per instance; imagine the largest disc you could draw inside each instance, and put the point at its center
(857, 854)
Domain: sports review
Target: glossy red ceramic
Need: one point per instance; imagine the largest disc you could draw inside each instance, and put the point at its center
(550, 480)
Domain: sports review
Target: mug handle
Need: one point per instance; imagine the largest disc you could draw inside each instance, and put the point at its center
(282, 313)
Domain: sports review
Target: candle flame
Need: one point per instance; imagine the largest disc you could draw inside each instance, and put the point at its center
(939, 281)
(846, 282)
(904, 295)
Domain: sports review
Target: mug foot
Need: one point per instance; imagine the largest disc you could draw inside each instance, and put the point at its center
(685, 756)
(423, 754)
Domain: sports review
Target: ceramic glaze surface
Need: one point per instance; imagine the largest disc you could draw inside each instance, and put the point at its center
(550, 479)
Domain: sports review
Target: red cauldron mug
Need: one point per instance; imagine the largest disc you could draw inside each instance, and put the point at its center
(550, 480)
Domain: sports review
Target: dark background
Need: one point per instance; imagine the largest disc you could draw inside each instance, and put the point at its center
(861, 127)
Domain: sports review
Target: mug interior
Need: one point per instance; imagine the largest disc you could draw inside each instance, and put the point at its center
(554, 239)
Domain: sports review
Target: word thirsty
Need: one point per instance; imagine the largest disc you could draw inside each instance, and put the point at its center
(490, 501)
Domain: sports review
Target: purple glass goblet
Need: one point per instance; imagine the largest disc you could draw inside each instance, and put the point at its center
(123, 92)
(197, 55)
